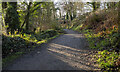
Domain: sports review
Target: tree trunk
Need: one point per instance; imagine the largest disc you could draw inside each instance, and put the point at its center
(94, 7)
(28, 15)
(4, 5)
(60, 13)
(12, 17)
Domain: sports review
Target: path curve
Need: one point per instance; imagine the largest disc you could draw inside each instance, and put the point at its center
(67, 52)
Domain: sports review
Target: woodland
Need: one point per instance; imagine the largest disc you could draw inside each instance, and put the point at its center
(27, 25)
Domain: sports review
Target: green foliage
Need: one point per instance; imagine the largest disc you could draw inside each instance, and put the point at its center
(16, 43)
(101, 28)
(107, 60)
(10, 58)
(12, 18)
(55, 25)
(78, 27)
(46, 34)
(67, 16)
(11, 45)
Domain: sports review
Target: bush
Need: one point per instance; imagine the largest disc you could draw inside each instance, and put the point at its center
(11, 45)
(15, 43)
(48, 34)
(107, 60)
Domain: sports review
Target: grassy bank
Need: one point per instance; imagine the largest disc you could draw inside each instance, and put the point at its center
(102, 35)
(108, 53)
(16, 45)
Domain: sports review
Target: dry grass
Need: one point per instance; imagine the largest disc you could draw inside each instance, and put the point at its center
(101, 20)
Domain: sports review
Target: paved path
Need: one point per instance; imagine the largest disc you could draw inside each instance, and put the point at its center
(67, 52)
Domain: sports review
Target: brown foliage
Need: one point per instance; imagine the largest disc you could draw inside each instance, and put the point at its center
(101, 20)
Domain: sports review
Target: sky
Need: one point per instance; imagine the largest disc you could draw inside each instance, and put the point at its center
(86, 0)
(62, 0)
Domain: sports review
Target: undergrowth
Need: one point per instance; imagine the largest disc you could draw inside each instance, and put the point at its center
(14, 46)
(102, 35)
(108, 56)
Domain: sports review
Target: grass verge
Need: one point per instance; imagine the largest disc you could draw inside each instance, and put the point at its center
(107, 46)
(17, 45)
